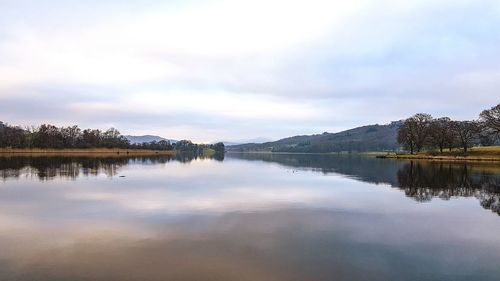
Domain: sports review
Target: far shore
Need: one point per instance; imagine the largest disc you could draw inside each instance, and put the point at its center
(440, 158)
(82, 152)
(474, 154)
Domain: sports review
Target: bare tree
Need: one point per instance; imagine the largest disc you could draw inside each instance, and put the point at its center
(422, 124)
(414, 133)
(50, 136)
(441, 133)
(406, 136)
(91, 138)
(491, 119)
(466, 132)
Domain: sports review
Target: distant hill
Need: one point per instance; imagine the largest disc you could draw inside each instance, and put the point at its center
(146, 138)
(229, 143)
(361, 139)
(254, 140)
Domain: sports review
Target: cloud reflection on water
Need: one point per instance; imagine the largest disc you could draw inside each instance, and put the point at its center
(245, 220)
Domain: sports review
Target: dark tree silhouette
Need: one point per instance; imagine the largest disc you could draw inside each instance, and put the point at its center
(50, 136)
(421, 130)
(441, 133)
(467, 132)
(414, 133)
(406, 136)
(491, 119)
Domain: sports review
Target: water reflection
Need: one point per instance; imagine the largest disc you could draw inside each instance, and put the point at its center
(420, 180)
(367, 169)
(47, 168)
(424, 181)
(276, 218)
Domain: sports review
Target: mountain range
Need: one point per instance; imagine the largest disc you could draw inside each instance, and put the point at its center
(146, 138)
(361, 139)
(254, 140)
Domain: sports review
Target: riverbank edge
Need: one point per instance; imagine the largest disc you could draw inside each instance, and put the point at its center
(82, 152)
(385, 155)
(440, 158)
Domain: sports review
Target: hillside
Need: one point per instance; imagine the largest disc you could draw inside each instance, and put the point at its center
(257, 140)
(146, 138)
(361, 139)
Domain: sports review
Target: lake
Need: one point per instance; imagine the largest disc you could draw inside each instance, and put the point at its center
(247, 217)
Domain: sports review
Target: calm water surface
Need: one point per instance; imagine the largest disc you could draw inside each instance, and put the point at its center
(247, 217)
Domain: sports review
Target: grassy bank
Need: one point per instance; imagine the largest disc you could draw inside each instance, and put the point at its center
(490, 153)
(91, 152)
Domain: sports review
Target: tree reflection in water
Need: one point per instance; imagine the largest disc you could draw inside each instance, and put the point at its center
(420, 180)
(47, 168)
(424, 181)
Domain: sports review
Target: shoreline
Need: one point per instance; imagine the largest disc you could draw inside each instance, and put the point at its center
(302, 153)
(441, 158)
(382, 155)
(90, 152)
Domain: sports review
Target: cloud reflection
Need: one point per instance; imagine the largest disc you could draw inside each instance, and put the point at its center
(239, 219)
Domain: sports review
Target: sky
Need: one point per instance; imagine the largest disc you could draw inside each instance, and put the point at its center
(236, 70)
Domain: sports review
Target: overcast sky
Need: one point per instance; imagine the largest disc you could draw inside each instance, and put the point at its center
(233, 70)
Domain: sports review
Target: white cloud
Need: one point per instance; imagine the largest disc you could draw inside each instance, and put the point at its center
(288, 62)
(137, 49)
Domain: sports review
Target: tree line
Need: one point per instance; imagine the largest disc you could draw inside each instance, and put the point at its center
(187, 146)
(422, 131)
(50, 136)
